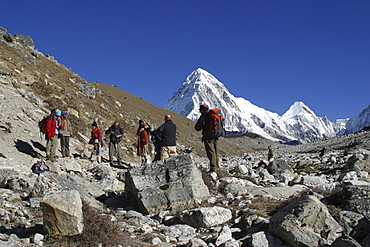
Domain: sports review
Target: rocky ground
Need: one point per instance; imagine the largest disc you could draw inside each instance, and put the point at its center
(315, 194)
(250, 203)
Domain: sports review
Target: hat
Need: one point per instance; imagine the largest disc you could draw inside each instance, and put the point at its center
(141, 121)
(95, 124)
(58, 112)
(204, 106)
(66, 113)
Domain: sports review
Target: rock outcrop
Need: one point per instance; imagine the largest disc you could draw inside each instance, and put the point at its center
(62, 213)
(174, 184)
(305, 222)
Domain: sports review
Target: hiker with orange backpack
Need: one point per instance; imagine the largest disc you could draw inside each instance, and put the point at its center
(211, 124)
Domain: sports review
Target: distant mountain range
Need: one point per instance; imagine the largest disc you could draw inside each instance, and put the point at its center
(298, 125)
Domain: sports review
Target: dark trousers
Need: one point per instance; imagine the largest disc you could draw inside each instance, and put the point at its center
(211, 151)
(64, 145)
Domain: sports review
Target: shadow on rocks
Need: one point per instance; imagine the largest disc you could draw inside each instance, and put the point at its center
(26, 148)
(39, 146)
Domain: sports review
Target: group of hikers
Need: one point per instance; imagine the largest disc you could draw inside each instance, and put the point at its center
(58, 126)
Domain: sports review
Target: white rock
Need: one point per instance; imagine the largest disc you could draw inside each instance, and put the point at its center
(348, 176)
(206, 216)
(224, 236)
(242, 169)
(38, 239)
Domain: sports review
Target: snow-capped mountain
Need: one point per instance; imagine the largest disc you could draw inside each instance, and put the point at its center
(358, 122)
(299, 123)
(307, 126)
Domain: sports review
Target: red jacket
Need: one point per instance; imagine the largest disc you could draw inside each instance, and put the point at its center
(96, 133)
(51, 126)
(142, 140)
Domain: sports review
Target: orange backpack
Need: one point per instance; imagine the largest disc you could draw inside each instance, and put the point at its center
(216, 122)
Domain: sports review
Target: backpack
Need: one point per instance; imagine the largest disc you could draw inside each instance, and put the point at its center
(42, 125)
(216, 123)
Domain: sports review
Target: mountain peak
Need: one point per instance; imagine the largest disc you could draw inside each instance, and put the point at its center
(298, 108)
(200, 87)
(199, 76)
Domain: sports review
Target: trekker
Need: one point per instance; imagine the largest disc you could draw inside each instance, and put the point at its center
(270, 155)
(115, 132)
(65, 132)
(96, 140)
(52, 134)
(167, 134)
(210, 143)
(143, 141)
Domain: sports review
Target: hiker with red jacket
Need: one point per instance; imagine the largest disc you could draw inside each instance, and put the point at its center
(96, 140)
(210, 141)
(51, 136)
(143, 141)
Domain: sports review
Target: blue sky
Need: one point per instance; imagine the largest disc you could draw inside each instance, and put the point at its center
(270, 52)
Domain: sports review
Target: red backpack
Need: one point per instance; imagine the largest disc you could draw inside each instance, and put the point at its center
(42, 125)
(216, 123)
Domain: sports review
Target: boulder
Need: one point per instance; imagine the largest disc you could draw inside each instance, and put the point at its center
(318, 183)
(7, 167)
(205, 216)
(87, 90)
(178, 231)
(175, 183)
(196, 242)
(3, 30)
(262, 239)
(360, 165)
(111, 184)
(25, 39)
(357, 199)
(235, 189)
(348, 176)
(354, 224)
(345, 241)
(278, 166)
(352, 160)
(224, 236)
(34, 99)
(326, 152)
(62, 213)
(242, 169)
(20, 182)
(277, 192)
(51, 181)
(305, 222)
